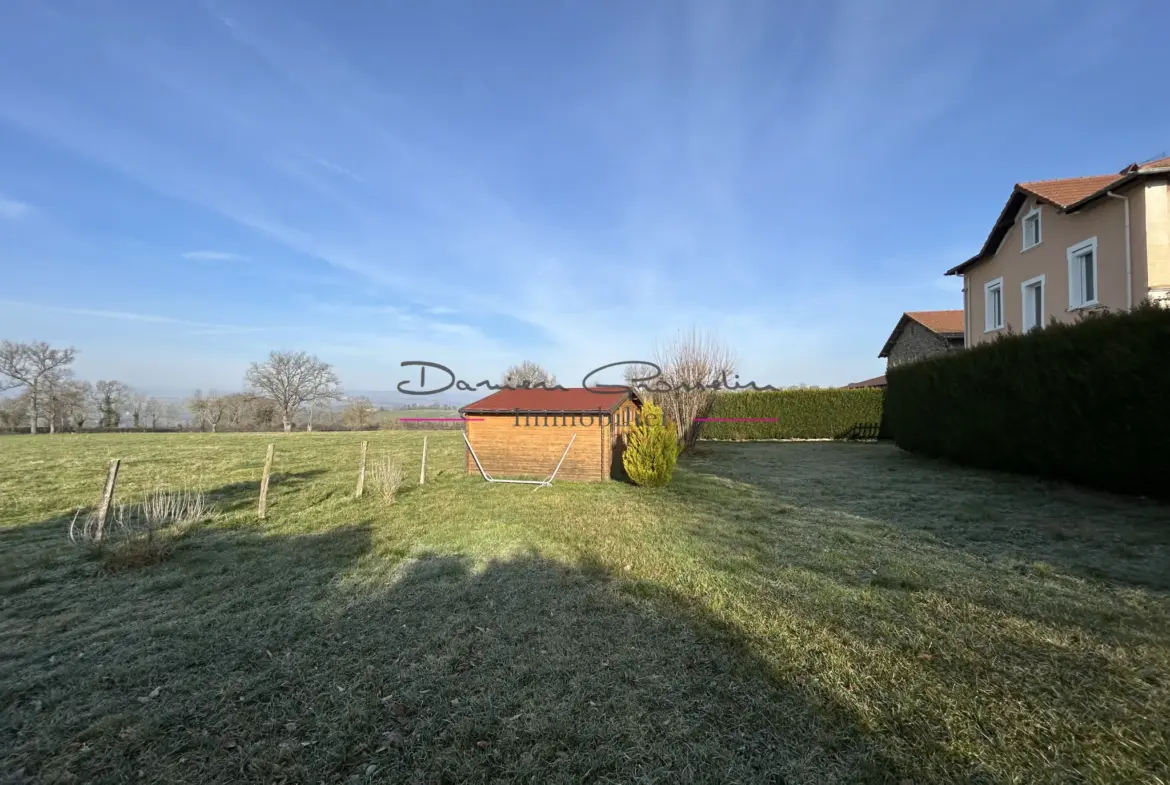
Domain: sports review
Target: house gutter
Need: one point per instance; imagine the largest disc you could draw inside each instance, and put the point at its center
(1128, 252)
(966, 315)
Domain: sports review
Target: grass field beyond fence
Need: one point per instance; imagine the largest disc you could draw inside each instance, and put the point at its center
(797, 613)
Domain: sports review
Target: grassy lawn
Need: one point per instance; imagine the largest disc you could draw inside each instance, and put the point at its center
(786, 613)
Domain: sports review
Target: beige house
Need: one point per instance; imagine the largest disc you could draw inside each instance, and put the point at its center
(1061, 247)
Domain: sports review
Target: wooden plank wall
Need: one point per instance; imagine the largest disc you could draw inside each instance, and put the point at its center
(508, 450)
(624, 420)
(533, 449)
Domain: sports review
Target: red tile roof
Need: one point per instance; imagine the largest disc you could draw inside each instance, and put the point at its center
(1069, 190)
(945, 323)
(877, 381)
(572, 399)
(941, 322)
(1069, 194)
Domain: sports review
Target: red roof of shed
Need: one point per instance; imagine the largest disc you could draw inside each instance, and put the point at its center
(571, 399)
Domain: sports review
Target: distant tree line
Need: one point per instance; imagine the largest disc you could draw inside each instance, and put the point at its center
(287, 390)
(48, 397)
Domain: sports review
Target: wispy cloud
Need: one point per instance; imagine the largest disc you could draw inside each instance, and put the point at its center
(331, 166)
(215, 256)
(13, 210)
(130, 316)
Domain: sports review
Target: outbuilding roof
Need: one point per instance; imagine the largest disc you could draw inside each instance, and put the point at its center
(569, 400)
(877, 381)
(948, 324)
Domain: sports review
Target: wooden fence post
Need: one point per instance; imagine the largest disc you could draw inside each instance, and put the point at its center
(107, 498)
(422, 475)
(361, 486)
(264, 481)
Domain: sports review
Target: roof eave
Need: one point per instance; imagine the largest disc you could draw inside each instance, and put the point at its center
(885, 352)
(959, 269)
(998, 230)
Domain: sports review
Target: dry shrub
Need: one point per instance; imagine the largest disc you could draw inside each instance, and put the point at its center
(143, 533)
(692, 365)
(388, 478)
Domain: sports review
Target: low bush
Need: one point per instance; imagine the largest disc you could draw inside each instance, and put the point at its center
(388, 479)
(1084, 402)
(142, 533)
(651, 450)
(798, 414)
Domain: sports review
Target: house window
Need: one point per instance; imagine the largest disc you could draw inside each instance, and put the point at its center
(1082, 274)
(1032, 292)
(1032, 229)
(993, 304)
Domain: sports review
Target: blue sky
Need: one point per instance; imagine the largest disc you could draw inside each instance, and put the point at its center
(187, 185)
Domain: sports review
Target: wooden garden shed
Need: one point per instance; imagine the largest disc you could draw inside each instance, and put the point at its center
(525, 432)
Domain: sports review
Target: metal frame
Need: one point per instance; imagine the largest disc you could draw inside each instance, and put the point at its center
(546, 482)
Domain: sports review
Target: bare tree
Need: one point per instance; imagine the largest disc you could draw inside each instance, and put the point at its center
(263, 413)
(14, 411)
(238, 408)
(110, 396)
(195, 408)
(215, 408)
(359, 412)
(639, 376)
(173, 412)
(70, 403)
(528, 374)
(694, 365)
(292, 379)
(323, 399)
(37, 367)
(152, 410)
(55, 386)
(137, 402)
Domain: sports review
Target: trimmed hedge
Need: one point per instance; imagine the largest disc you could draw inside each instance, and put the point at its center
(800, 414)
(1087, 402)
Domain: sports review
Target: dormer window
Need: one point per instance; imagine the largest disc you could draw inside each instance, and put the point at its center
(1031, 229)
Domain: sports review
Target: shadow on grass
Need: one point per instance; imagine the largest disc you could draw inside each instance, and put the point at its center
(1007, 517)
(315, 658)
(240, 495)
